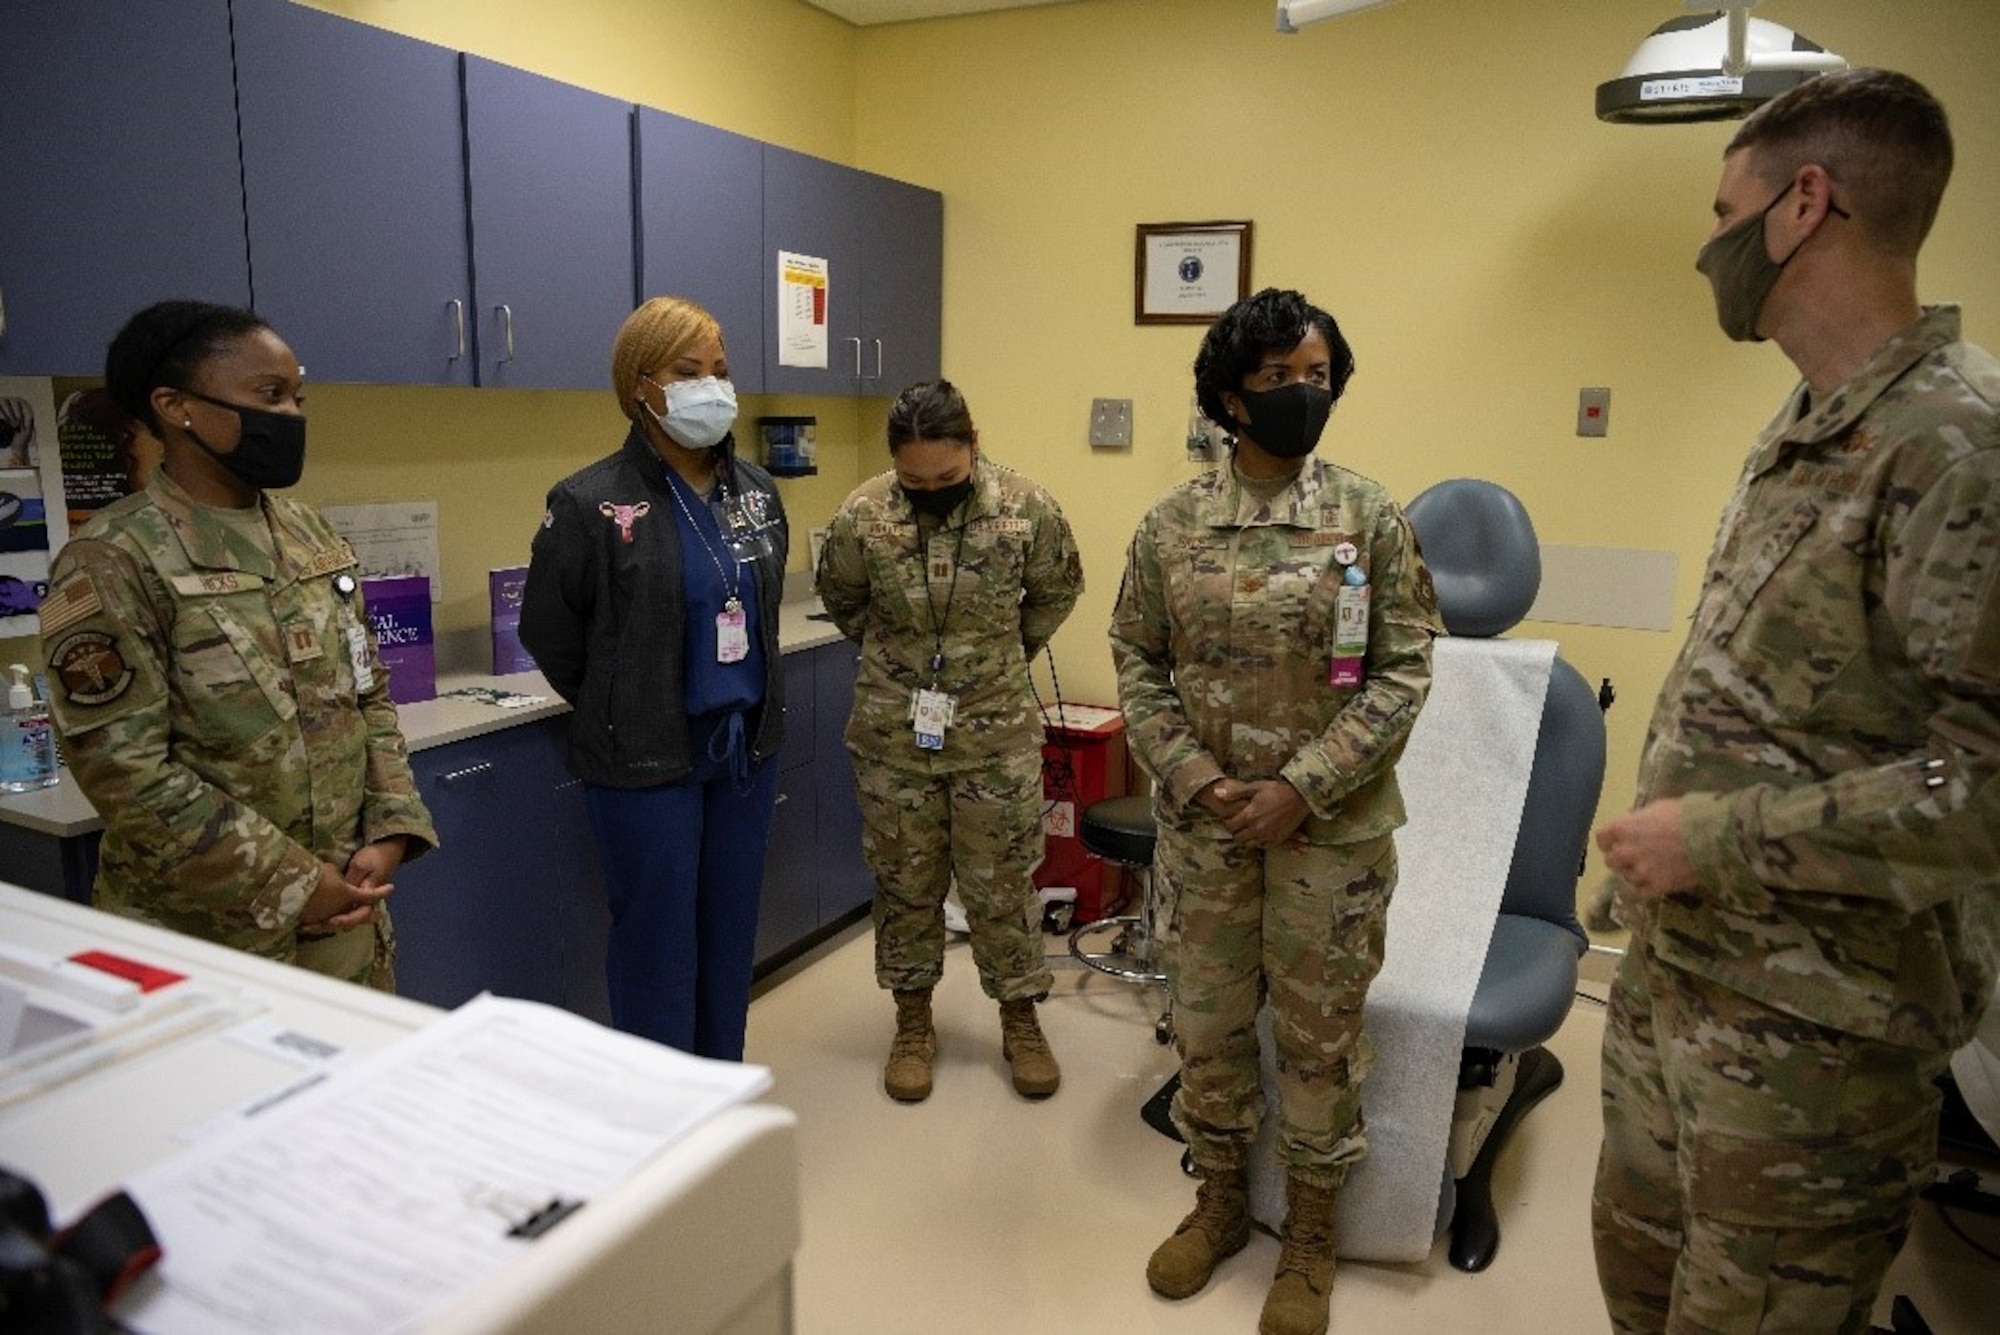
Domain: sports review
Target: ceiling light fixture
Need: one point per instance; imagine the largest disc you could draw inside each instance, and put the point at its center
(1296, 14)
(1720, 64)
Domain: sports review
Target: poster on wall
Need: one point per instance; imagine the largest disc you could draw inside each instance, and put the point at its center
(802, 305)
(104, 454)
(393, 539)
(31, 528)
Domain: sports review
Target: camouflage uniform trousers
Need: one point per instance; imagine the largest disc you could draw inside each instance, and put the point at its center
(1758, 1170)
(983, 826)
(1303, 926)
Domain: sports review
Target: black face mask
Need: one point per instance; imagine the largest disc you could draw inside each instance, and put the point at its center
(1286, 421)
(270, 447)
(940, 501)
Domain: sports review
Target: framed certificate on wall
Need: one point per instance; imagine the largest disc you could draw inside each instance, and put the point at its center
(1190, 272)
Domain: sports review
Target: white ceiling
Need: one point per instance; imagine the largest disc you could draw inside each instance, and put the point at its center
(868, 12)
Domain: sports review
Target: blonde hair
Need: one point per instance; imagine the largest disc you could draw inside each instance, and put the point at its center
(652, 336)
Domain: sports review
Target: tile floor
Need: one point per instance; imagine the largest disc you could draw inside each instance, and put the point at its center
(980, 1213)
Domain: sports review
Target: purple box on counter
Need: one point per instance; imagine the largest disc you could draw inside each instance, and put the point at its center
(399, 610)
(504, 586)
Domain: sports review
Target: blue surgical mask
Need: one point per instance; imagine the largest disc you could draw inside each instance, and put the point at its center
(699, 412)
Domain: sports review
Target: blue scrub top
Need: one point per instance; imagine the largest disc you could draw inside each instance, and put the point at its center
(714, 687)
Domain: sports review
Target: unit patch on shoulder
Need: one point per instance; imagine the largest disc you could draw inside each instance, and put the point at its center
(1427, 594)
(91, 669)
(69, 604)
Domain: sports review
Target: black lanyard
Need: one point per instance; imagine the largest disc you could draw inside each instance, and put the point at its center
(938, 622)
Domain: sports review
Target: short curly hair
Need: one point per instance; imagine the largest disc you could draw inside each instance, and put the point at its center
(164, 345)
(655, 334)
(1274, 320)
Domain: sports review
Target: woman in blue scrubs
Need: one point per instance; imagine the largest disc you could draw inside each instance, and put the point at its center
(652, 607)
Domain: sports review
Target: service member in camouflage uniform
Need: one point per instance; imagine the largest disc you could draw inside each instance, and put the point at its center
(952, 572)
(1273, 643)
(1812, 870)
(213, 672)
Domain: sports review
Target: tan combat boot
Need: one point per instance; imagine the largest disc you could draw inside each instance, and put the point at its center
(1298, 1302)
(1219, 1227)
(907, 1077)
(1036, 1074)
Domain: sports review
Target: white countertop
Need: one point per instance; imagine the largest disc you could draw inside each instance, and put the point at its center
(63, 811)
(705, 1229)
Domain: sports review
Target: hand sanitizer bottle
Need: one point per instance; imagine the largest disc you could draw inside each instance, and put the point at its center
(27, 744)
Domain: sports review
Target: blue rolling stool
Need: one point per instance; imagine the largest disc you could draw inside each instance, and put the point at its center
(1119, 830)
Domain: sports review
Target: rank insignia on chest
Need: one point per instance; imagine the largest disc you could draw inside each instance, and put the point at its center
(301, 644)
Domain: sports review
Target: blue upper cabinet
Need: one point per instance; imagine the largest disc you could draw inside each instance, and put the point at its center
(354, 191)
(812, 209)
(883, 244)
(701, 203)
(552, 244)
(902, 284)
(118, 173)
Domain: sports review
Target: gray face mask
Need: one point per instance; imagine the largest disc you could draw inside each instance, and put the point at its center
(1742, 273)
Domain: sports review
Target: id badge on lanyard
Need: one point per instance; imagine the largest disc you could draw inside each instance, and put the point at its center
(1346, 668)
(732, 633)
(931, 712)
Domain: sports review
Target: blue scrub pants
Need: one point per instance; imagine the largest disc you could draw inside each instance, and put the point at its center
(683, 868)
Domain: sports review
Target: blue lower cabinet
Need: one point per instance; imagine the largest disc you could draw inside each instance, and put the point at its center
(584, 914)
(47, 863)
(813, 877)
(481, 912)
(788, 911)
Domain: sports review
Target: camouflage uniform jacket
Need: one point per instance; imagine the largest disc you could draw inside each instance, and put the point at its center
(1833, 722)
(1017, 575)
(209, 704)
(1223, 636)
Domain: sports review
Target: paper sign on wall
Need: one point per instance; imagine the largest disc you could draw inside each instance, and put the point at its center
(391, 540)
(31, 513)
(802, 308)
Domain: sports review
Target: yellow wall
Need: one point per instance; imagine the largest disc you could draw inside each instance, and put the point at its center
(1432, 172)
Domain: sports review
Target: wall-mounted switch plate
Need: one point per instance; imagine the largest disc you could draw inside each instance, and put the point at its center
(1593, 412)
(1111, 423)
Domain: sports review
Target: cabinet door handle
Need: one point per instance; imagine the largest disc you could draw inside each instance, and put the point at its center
(3, 313)
(470, 771)
(857, 355)
(506, 314)
(878, 360)
(458, 323)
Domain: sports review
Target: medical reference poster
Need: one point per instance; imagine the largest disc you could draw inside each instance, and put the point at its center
(802, 306)
(105, 455)
(32, 522)
(392, 540)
